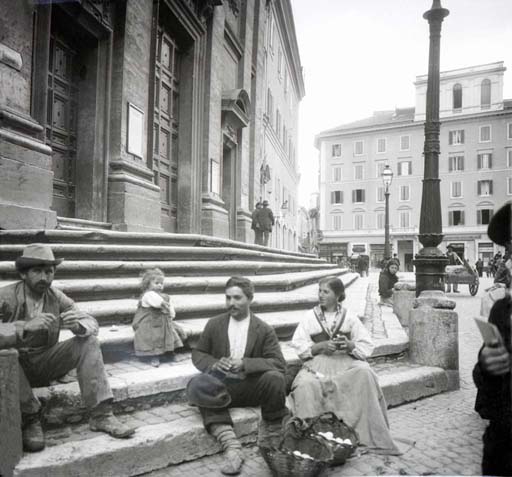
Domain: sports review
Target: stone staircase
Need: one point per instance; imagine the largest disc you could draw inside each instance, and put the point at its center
(101, 273)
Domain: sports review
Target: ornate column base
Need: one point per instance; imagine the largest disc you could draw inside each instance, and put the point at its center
(430, 263)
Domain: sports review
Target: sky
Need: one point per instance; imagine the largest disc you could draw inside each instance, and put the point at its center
(360, 56)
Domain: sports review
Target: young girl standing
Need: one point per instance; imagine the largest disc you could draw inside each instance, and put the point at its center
(155, 331)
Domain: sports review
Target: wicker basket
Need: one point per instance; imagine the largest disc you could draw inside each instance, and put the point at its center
(328, 421)
(283, 463)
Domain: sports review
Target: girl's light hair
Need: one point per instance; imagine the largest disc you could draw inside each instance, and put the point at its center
(149, 275)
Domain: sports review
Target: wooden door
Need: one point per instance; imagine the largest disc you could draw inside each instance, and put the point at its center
(165, 127)
(61, 124)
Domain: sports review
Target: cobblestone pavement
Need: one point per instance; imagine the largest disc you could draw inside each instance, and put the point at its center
(446, 430)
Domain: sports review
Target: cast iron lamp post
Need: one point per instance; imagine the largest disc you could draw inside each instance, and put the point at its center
(430, 261)
(387, 178)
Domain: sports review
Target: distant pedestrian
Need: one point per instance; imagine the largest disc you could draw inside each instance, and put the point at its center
(493, 371)
(479, 265)
(503, 271)
(397, 260)
(453, 259)
(258, 231)
(488, 270)
(363, 263)
(266, 220)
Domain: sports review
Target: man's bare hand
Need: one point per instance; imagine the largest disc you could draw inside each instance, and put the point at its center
(237, 365)
(43, 321)
(70, 320)
(223, 364)
(495, 359)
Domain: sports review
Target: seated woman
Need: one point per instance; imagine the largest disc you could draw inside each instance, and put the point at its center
(387, 280)
(335, 376)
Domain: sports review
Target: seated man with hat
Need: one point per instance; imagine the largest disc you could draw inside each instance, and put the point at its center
(242, 365)
(32, 313)
(492, 373)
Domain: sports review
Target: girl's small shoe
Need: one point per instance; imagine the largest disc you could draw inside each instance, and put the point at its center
(155, 362)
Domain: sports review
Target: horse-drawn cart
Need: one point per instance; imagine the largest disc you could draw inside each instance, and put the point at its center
(463, 274)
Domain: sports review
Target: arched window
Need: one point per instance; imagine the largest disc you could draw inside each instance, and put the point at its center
(457, 96)
(485, 93)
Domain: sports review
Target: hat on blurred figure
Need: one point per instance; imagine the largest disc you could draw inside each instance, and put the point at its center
(499, 229)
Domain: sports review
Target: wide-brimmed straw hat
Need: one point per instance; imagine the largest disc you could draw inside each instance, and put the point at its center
(37, 254)
(207, 391)
(499, 229)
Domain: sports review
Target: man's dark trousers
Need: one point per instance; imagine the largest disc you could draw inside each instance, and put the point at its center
(497, 458)
(267, 390)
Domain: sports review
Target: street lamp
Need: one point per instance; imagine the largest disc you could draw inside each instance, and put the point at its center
(387, 178)
(430, 261)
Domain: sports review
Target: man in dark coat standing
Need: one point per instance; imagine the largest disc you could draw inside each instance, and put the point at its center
(242, 365)
(266, 219)
(256, 226)
(492, 373)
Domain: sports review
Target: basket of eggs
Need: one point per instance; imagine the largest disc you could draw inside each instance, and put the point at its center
(342, 438)
(300, 453)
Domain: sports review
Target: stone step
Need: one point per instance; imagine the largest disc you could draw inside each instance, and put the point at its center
(117, 341)
(202, 305)
(92, 289)
(98, 252)
(134, 238)
(70, 223)
(136, 383)
(171, 434)
(119, 268)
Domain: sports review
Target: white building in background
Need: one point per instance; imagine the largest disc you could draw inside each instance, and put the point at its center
(475, 167)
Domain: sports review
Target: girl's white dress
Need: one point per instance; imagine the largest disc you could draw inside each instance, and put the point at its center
(342, 383)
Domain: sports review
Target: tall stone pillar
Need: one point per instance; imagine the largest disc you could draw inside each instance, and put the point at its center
(25, 160)
(133, 198)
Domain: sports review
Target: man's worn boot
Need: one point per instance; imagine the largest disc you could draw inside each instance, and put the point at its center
(231, 446)
(103, 420)
(32, 433)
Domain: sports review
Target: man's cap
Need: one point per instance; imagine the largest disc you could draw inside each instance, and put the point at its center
(207, 391)
(37, 254)
(265, 202)
(499, 229)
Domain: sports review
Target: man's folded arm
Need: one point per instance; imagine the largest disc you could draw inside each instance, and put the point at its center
(87, 322)
(201, 357)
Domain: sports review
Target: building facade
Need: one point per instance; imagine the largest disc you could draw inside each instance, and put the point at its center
(137, 115)
(284, 89)
(475, 168)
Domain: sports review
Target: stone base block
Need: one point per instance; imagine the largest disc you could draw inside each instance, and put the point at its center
(133, 205)
(244, 233)
(25, 217)
(214, 219)
(404, 294)
(433, 331)
(10, 417)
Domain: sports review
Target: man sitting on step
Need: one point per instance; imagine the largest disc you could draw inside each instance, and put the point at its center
(243, 365)
(32, 313)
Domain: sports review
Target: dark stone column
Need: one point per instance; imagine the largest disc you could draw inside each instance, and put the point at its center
(430, 261)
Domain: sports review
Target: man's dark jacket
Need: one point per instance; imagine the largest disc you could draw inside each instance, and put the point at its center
(265, 218)
(262, 352)
(493, 397)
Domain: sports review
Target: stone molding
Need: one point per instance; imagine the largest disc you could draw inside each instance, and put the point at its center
(122, 177)
(131, 167)
(18, 120)
(25, 141)
(10, 57)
